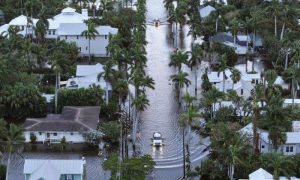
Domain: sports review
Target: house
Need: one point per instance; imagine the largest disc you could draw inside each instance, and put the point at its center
(240, 45)
(206, 11)
(87, 75)
(262, 174)
(71, 32)
(25, 24)
(215, 77)
(253, 78)
(280, 82)
(72, 124)
(49, 169)
(67, 26)
(290, 147)
(289, 102)
(243, 88)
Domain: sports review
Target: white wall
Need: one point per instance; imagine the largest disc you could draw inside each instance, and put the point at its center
(246, 93)
(98, 45)
(75, 138)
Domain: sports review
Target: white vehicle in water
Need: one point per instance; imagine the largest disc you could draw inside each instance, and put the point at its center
(157, 139)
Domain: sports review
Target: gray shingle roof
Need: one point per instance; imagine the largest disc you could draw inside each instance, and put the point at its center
(72, 119)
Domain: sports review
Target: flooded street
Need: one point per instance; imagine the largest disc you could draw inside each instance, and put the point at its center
(163, 113)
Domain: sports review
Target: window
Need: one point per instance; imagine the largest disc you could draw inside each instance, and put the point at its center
(53, 32)
(69, 177)
(105, 36)
(80, 49)
(77, 37)
(66, 37)
(289, 149)
(71, 133)
(40, 133)
(263, 146)
(54, 134)
(86, 48)
(49, 32)
(242, 91)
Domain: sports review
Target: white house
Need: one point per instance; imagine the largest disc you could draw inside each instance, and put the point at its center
(25, 24)
(289, 102)
(262, 174)
(87, 75)
(68, 26)
(279, 81)
(242, 88)
(290, 147)
(72, 124)
(206, 11)
(48, 169)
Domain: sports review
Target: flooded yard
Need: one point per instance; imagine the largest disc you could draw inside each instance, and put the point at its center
(94, 169)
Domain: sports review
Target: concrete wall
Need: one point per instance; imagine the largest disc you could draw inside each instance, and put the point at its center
(72, 137)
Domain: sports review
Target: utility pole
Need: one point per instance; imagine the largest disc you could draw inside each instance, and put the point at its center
(183, 150)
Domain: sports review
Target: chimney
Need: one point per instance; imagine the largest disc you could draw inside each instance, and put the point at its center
(84, 12)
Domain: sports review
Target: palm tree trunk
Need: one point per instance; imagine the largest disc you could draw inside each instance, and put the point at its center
(8, 164)
(183, 151)
(223, 81)
(254, 40)
(106, 92)
(231, 171)
(56, 91)
(176, 29)
(247, 43)
(286, 60)
(275, 26)
(196, 79)
(282, 31)
(89, 51)
(293, 91)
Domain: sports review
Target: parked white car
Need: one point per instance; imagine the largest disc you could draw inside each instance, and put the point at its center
(157, 139)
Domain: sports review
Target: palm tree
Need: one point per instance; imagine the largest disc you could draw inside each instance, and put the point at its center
(236, 149)
(180, 81)
(235, 76)
(278, 164)
(234, 27)
(210, 98)
(287, 47)
(288, 14)
(277, 120)
(294, 75)
(189, 99)
(178, 58)
(195, 60)
(90, 33)
(176, 16)
(274, 10)
(222, 67)
(187, 118)
(107, 75)
(12, 139)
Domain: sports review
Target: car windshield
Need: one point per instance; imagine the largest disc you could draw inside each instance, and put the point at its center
(157, 138)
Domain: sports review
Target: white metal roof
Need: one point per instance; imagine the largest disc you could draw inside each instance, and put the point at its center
(241, 84)
(260, 174)
(243, 38)
(78, 28)
(291, 137)
(22, 21)
(205, 11)
(51, 169)
(84, 70)
(290, 101)
(214, 76)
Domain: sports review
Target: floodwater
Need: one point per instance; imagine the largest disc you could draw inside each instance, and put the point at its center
(163, 113)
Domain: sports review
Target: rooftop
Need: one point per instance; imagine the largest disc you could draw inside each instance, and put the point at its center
(71, 119)
(51, 169)
(206, 11)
